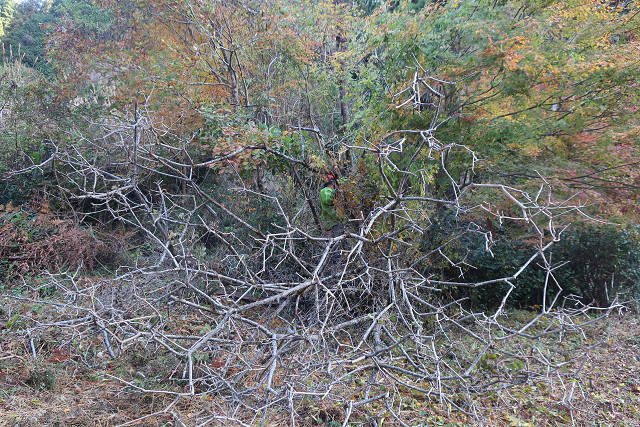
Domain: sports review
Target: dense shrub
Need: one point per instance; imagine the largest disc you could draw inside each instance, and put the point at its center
(602, 262)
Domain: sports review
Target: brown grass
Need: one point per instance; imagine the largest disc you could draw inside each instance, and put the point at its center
(32, 243)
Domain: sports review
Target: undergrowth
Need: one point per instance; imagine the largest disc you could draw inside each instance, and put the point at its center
(31, 242)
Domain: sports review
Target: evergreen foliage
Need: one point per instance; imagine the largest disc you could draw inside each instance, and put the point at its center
(7, 10)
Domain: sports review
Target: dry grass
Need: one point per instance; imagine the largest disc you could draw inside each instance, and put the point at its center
(30, 243)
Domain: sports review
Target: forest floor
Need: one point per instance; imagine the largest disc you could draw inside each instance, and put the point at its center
(59, 390)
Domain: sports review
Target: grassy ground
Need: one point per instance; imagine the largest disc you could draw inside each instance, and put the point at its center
(60, 390)
(608, 393)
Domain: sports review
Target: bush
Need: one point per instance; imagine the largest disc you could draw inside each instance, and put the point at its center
(602, 262)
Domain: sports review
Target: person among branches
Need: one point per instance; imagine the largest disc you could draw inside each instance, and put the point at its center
(332, 224)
